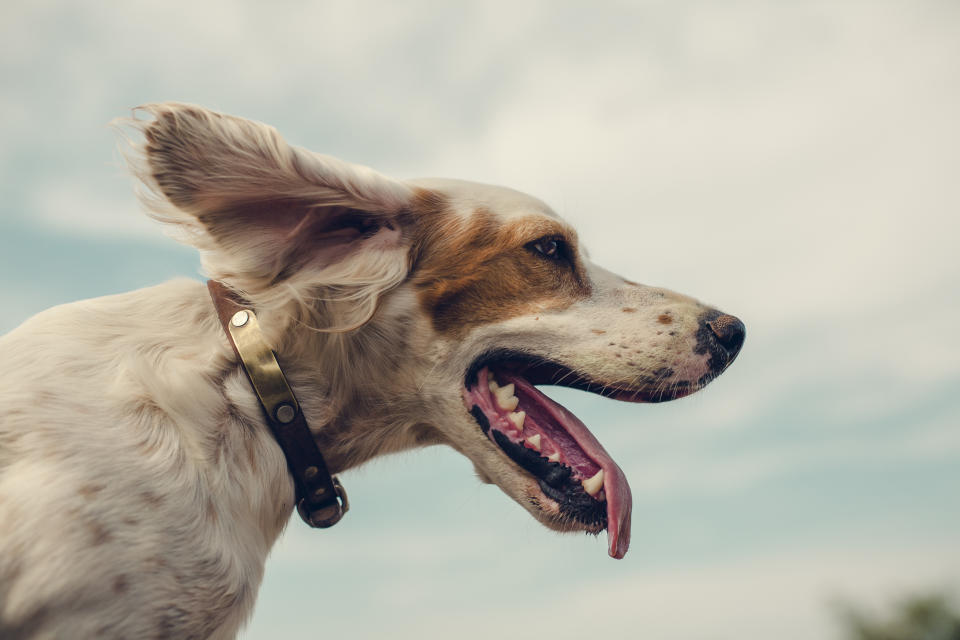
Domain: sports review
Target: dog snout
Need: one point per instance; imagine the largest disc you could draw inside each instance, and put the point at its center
(722, 335)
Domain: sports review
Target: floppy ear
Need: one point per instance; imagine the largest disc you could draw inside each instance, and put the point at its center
(268, 217)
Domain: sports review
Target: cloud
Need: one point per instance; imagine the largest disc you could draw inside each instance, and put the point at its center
(810, 174)
(79, 208)
(783, 593)
(699, 471)
(779, 147)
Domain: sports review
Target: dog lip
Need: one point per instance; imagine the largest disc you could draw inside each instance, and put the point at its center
(539, 370)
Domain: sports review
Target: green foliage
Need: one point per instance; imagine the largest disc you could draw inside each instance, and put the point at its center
(928, 617)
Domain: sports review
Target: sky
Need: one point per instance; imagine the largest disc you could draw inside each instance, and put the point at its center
(795, 164)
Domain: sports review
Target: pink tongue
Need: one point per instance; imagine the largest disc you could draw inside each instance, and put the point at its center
(615, 486)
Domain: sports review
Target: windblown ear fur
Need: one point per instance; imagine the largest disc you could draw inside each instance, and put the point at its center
(275, 222)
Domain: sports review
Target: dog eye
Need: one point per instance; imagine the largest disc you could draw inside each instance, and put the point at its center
(552, 248)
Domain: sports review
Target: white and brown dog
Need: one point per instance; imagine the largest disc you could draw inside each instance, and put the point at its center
(140, 486)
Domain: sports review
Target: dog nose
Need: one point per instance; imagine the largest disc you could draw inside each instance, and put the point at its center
(721, 335)
(729, 332)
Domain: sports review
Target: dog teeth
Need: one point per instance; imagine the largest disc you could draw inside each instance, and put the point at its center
(505, 398)
(593, 485)
(554, 457)
(534, 442)
(517, 418)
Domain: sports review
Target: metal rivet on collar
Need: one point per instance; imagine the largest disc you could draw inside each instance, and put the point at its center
(285, 414)
(310, 472)
(239, 318)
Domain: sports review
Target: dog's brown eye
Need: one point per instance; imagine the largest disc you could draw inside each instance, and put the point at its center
(550, 247)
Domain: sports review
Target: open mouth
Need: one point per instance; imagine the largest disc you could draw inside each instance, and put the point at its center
(571, 467)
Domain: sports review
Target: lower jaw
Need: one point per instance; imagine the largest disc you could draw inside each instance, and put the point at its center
(558, 483)
(550, 513)
(582, 489)
(584, 511)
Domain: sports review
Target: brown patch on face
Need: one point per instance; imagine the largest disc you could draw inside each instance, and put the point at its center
(665, 319)
(629, 309)
(599, 332)
(472, 270)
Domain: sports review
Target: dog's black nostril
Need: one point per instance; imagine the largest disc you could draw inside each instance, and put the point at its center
(729, 331)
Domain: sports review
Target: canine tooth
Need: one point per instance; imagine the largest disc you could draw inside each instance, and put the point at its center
(554, 457)
(517, 418)
(594, 484)
(505, 398)
(534, 442)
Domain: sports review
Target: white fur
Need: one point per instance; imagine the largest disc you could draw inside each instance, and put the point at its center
(140, 489)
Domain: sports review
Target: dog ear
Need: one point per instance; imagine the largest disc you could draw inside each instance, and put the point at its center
(266, 215)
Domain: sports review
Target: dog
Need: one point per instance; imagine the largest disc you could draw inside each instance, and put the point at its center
(141, 482)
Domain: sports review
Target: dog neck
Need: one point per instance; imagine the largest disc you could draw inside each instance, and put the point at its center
(358, 389)
(321, 499)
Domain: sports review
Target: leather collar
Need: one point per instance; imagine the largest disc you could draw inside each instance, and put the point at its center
(321, 499)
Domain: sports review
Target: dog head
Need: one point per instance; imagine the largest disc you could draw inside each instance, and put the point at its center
(429, 311)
